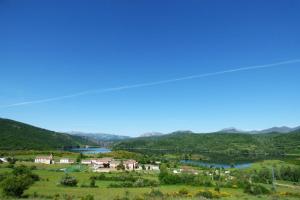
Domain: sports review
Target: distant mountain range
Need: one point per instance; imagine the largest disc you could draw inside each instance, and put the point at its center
(281, 129)
(99, 136)
(17, 135)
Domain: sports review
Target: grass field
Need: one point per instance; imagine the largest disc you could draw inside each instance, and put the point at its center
(49, 188)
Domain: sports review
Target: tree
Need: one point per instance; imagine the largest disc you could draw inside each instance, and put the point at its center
(68, 180)
(15, 185)
(24, 170)
(143, 167)
(121, 166)
(80, 157)
(20, 179)
(163, 172)
(11, 160)
(93, 181)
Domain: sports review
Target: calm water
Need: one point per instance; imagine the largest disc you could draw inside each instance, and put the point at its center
(90, 150)
(216, 165)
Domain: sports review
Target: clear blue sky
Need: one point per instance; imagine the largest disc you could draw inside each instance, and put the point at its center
(56, 48)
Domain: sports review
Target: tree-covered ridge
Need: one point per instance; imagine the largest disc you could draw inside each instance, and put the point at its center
(17, 135)
(218, 142)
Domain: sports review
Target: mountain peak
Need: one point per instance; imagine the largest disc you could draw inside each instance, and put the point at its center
(150, 134)
(231, 130)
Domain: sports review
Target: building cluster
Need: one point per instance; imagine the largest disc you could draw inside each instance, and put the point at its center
(50, 160)
(101, 164)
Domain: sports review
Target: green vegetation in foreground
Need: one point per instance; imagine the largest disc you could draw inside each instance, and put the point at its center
(82, 184)
(240, 145)
(16, 135)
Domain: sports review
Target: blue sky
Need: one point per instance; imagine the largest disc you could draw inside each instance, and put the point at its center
(56, 48)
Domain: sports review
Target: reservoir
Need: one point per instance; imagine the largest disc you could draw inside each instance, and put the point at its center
(90, 150)
(216, 165)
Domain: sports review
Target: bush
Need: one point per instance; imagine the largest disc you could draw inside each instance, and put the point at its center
(256, 189)
(24, 170)
(155, 193)
(121, 166)
(100, 177)
(19, 180)
(93, 182)
(68, 181)
(207, 194)
(15, 185)
(183, 192)
(11, 160)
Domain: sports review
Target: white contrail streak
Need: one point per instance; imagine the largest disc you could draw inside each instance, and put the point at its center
(125, 87)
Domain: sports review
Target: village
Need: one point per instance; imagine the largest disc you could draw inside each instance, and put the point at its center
(106, 164)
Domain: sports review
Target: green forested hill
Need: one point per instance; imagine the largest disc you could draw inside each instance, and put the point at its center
(218, 142)
(17, 135)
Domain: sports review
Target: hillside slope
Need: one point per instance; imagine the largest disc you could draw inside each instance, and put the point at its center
(217, 142)
(17, 135)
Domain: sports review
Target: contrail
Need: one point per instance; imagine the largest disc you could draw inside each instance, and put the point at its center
(125, 87)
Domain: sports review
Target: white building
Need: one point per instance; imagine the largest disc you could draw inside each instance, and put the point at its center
(86, 162)
(114, 163)
(44, 159)
(102, 162)
(66, 161)
(152, 167)
(130, 164)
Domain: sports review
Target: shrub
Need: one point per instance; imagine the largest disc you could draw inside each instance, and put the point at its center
(183, 192)
(256, 189)
(33, 167)
(11, 160)
(68, 181)
(68, 197)
(207, 194)
(93, 182)
(24, 170)
(139, 183)
(121, 166)
(100, 177)
(19, 180)
(155, 193)
(15, 185)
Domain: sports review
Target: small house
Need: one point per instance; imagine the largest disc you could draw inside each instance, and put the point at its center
(130, 164)
(102, 162)
(86, 162)
(152, 167)
(44, 159)
(66, 161)
(114, 163)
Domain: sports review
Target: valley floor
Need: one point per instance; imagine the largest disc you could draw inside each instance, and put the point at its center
(48, 187)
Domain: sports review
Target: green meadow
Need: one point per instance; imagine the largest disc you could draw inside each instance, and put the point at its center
(49, 187)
